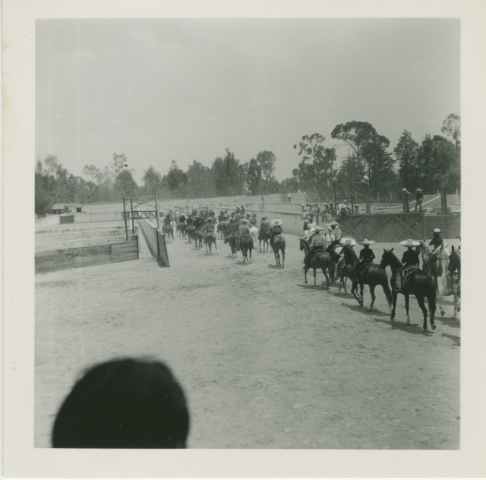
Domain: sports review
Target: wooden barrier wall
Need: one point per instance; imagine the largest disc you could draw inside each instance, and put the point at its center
(155, 242)
(62, 259)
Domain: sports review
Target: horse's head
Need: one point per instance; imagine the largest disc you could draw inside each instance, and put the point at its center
(387, 258)
(454, 261)
(303, 243)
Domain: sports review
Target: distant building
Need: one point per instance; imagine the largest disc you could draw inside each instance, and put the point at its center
(59, 208)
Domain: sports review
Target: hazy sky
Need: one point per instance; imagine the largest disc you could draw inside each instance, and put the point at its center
(158, 90)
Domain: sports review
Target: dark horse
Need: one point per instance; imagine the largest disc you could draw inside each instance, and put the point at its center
(190, 232)
(198, 236)
(319, 259)
(264, 237)
(417, 282)
(231, 239)
(279, 246)
(246, 245)
(371, 275)
(209, 239)
(169, 231)
(454, 273)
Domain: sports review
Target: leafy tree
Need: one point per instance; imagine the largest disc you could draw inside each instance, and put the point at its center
(45, 187)
(125, 184)
(230, 175)
(93, 173)
(289, 185)
(175, 177)
(254, 177)
(266, 161)
(451, 127)
(200, 181)
(315, 171)
(406, 153)
(152, 180)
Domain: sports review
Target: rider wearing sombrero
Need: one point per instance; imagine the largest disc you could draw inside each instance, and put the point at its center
(167, 219)
(410, 260)
(436, 241)
(244, 231)
(264, 227)
(335, 232)
(276, 229)
(316, 244)
(366, 256)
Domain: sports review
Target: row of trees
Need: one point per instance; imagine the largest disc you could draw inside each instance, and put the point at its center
(430, 164)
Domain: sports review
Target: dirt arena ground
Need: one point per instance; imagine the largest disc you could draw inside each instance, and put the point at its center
(265, 361)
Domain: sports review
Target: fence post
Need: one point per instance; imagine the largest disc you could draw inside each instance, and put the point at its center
(443, 200)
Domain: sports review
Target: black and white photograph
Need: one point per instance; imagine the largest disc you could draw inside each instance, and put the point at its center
(247, 234)
(257, 220)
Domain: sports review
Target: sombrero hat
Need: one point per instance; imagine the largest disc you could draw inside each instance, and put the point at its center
(436, 230)
(317, 228)
(276, 222)
(410, 243)
(348, 241)
(418, 190)
(367, 242)
(333, 224)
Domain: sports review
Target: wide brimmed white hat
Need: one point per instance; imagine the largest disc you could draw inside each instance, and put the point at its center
(348, 241)
(333, 224)
(317, 228)
(419, 189)
(367, 242)
(410, 243)
(276, 222)
(436, 230)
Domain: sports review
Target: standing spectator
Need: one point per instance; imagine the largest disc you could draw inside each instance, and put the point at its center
(419, 198)
(304, 211)
(289, 196)
(405, 196)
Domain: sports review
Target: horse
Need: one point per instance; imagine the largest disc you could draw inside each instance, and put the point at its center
(279, 246)
(209, 239)
(371, 275)
(246, 245)
(181, 229)
(254, 234)
(190, 232)
(221, 228)
(231, 239)
(335, 257)
(265, 238)
(169, 231)
(319, 259)
(435, 262)
(198, 236)
(454, 272)
(417, 282)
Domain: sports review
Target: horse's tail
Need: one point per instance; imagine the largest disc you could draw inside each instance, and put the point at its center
(431, 294)
(386, 287)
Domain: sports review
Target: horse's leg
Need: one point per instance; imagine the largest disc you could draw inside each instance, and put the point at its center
(353, 291)
(407, 306)
(420, 299)
(250, 255)
(394, 308)
(440, 294)
(314, 277)
(305, 275)
(373, 297)
(361, 293)
(283, 258)
(432, 308)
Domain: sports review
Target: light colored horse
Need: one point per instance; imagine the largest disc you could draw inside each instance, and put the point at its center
(254, 235)
(436, 262)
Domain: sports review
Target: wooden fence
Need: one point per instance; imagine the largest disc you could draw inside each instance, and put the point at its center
(399, 226)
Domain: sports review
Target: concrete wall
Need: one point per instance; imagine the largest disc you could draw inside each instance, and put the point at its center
(46, 222)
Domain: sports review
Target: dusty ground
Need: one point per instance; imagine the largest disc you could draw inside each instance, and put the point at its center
(266, 361)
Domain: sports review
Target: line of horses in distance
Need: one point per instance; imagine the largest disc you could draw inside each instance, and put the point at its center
(337, 261)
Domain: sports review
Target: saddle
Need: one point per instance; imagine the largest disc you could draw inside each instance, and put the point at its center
(403, 276)
(315, 251)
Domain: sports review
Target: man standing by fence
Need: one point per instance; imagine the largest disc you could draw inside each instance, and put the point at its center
(419, 198)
